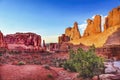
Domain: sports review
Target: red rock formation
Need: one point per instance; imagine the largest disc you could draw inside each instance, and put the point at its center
(24, 40)
(44, 45)
(63, 38)
(2, 42)
(53, 46)
(68, 31)
(113, 18)
(93, 26)
(113, 39)
(73, 33)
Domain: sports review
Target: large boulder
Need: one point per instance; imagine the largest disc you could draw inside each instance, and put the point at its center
(113, 18)
(93, 26)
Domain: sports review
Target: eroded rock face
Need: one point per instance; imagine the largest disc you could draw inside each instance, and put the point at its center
(93, 26)
(44, 45)
(63, 38)
(24, 40)
(73, 33)
(113, 18)
(68, 31)
(113, 39)
(2, 42)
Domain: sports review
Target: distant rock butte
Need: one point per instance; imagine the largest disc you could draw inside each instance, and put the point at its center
(93, 26)
(113, 18)
(23, 40)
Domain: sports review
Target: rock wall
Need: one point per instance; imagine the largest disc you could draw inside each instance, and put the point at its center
(2, 42)
(113, 39)
(93, 26)
(23, 40)
(113, 18)
(63, 38)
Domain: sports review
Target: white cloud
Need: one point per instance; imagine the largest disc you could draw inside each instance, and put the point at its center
(82, 27)
(103, 21)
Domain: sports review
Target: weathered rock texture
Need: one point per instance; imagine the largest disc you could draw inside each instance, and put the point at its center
(93, 26)
(63, 38)
(113, 18)
(44, 45)
(113, 39)
(23, 40)
(73, 33)
(2, 42)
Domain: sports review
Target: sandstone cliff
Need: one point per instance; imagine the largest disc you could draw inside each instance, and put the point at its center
(73, 33)
(113, 39)
(23, 40)
(113, 18)
(93, 26)
(93, 34)
(2, 42)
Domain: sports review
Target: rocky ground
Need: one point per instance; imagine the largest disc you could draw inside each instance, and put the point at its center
(33, 58)
(34, 72)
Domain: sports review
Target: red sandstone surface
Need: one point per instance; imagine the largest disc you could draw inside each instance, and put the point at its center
(34, 72)
(23, 40)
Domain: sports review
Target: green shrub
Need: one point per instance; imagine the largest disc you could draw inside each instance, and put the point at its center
(50, 76)
(21, 63)
(86, 63)
(0, 54)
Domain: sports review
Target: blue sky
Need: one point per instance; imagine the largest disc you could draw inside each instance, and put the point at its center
(49, 18)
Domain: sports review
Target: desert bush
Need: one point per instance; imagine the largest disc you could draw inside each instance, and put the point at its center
(0, 54)
(86, 63)
(21, 63)
(50, 76)
(46, 66)
(15, 52)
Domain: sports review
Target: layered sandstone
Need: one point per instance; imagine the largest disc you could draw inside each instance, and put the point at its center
(113, 39)
(73, 33)
(63, 38)
(113, 18)
(93, 26)
(23, 40)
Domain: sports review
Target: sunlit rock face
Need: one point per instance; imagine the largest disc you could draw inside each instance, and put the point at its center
(113, 18)
(93, 26)
(23, 40)
(113, 39)
(73, 33)
(63, 38)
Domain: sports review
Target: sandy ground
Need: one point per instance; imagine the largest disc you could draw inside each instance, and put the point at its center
(34, 72)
